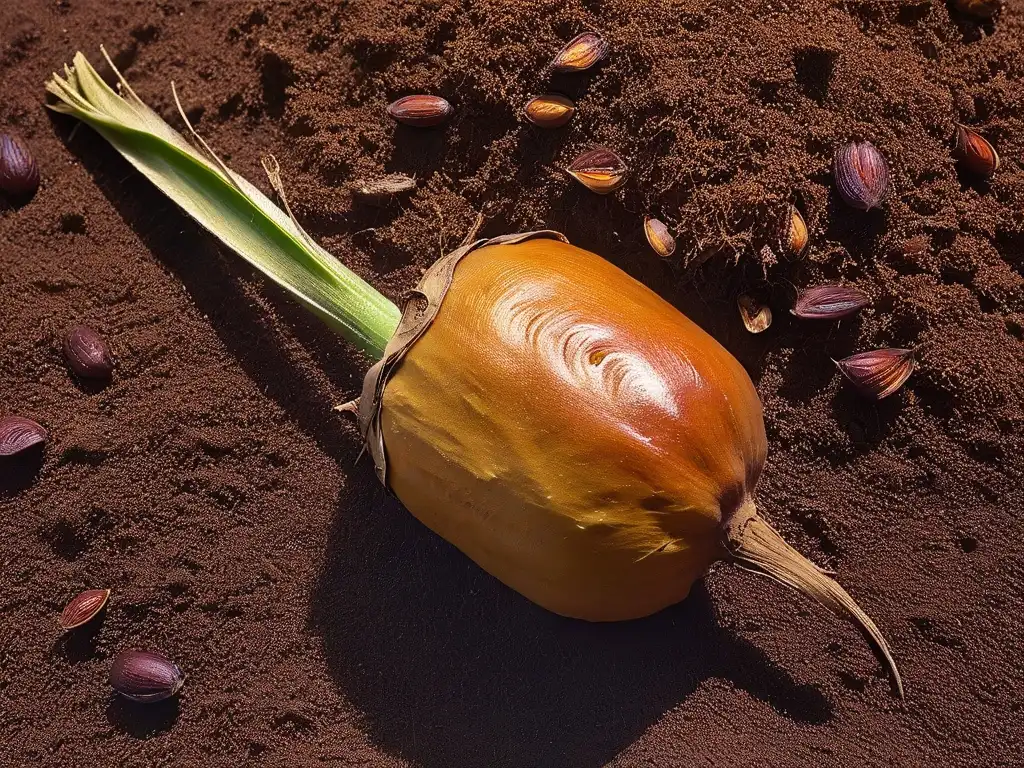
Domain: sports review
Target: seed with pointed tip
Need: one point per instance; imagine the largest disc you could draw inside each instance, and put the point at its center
(756, 316)
(829, 302)
(420, 110)
(862, 175)
(600, 170)
(87, 354)
(145, 676)
(84, 608)
(18, 434)
(19, 173)
(793, 231)
(880, 372)
(981, 9)
(659, 237)
(549, 111)
(383, 190)
(582, 52)
(974, 152)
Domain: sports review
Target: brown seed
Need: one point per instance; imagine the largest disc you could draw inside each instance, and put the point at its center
(793, 232)
(19, 173)
(87, 354)
(600, 170)
(19, 434)
(756, 316)
(980, 9)
(549, 111)
(582, 52)
(383, 190)
(145, 676)
(880, 372)
(420, 110)
(84, 608)
(862, 175)
(974, 152)
(829, 302)
(659, 237)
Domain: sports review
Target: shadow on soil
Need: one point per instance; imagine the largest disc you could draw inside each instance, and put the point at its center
(452, 669)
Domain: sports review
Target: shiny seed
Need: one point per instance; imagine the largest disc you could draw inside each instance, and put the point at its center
(600, 170)
(84, 608)
(383, 190)
(87, 354)
(756, 316)
(793, 232)
(980, 9)
(974, 152)
(829, 302)
(880, 372)
(419, 110)
(862, 175)
(145, 676)
(18, 434)
(549, 111)
(19, 173)
(659, 237)
(582, 52)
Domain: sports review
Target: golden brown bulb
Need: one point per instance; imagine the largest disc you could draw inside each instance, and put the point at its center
(579, 438)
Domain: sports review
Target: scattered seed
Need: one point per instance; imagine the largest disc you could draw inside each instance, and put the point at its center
(757, 317)
(87, 354)
(600, 170)
(84, 608)
(793, 232)
(880, 372)
(580, 53)
(145, 676)
(420, 110)
(549, 111)
(975, 153)
(659, 237)
(383, 190)
(19, 173)
(18, 434)
(862, 175)
(830, 302)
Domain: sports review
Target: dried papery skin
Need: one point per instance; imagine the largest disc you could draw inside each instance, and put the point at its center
(87, 353)
(84, 608)
(975, 153)
(145, 676)
(18, 434)
(549, 110)
(420, 110)
(794, 234)
(830, 302)
(580, 53)
(652, 444)
(980, 9)
(600, 170)
(383, 190)
(862, 175)
(19, 173)
(757, 317)
(659, 238)
(880, 372)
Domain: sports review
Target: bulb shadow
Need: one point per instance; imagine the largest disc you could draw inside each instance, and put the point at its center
(142, 721)
(450, 668)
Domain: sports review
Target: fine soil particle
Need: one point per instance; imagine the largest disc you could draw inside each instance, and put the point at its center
(213, 489)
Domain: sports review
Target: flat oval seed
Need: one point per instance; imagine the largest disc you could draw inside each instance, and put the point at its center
(84, 608)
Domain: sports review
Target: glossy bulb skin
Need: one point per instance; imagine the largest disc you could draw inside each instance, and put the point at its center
(571, 432)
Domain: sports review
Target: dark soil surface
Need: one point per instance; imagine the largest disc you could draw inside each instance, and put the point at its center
(212, 488)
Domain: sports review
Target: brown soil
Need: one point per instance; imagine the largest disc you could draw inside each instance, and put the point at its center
(213, 489)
